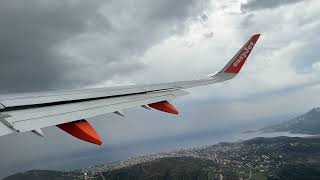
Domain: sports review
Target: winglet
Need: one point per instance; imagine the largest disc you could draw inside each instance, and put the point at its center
(235, 64)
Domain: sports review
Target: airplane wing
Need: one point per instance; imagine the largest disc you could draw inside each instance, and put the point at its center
(68, 109)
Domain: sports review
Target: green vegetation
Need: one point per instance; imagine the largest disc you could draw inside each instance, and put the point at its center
(171, 168)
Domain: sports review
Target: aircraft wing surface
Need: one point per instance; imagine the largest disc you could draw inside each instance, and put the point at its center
(68, 109)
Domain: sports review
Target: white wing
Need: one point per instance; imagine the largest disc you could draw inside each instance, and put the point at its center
(33, 111)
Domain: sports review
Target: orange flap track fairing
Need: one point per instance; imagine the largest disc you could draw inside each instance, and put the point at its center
(83, 130)
(164, 106)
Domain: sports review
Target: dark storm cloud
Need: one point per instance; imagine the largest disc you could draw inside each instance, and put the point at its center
(135, 28)
(253, 5)
(67, 44)
(29, 33)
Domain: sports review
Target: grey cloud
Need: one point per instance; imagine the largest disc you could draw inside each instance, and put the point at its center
(253, 5)
(29, 34)
(304, 60)
(68, 44)
(136, 28)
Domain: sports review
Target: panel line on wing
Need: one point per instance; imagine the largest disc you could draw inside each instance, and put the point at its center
(127, 101)
(76, 101)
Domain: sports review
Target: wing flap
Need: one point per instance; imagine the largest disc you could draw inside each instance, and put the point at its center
(29, 119)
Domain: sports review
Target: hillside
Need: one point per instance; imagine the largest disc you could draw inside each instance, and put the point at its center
(308, 123)
(174, 168)
(44, 174)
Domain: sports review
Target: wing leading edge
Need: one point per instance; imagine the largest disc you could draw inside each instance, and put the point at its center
(69, 109)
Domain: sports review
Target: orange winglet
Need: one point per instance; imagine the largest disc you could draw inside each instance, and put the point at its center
(82, 130)
(164, 106)
(239, 59)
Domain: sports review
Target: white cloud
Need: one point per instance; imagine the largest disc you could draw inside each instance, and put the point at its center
(269, 68)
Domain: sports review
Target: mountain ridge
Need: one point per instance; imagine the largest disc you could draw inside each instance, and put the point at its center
(308, 123)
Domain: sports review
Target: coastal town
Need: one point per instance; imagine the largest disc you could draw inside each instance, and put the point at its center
(259, 159)
(253, 158)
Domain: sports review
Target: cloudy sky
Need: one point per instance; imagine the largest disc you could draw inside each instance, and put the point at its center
(54, 45)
